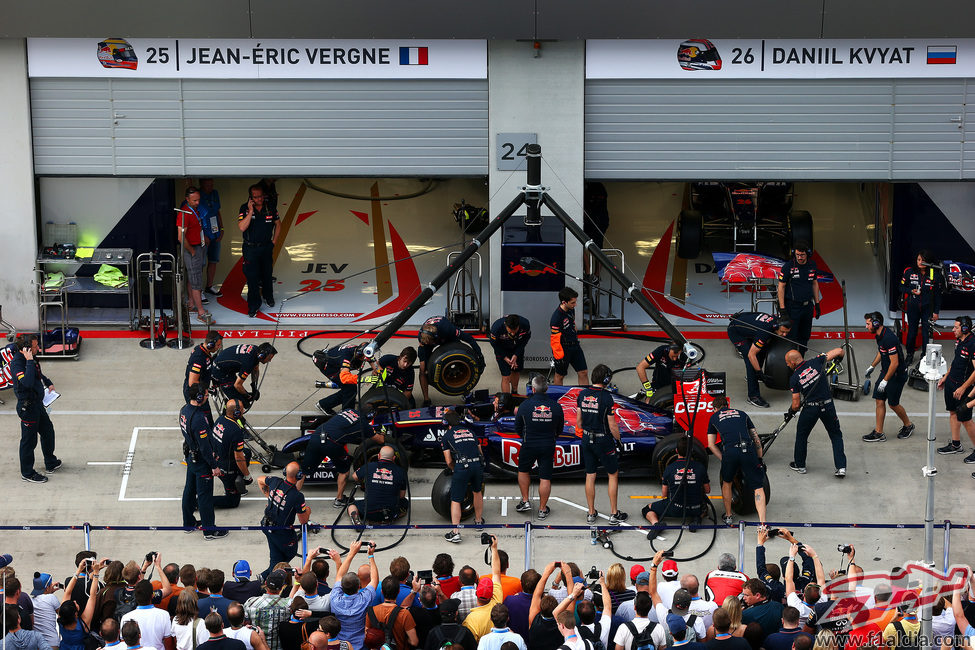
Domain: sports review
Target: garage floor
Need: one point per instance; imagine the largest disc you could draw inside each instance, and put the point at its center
(117, 434)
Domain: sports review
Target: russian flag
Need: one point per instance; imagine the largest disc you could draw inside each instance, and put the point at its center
(413, 56)
(941, 54)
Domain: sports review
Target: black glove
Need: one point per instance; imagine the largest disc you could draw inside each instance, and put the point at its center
(255, 395)
(818, 311)
(791, 413)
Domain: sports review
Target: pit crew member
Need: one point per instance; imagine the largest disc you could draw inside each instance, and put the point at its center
(509, 336)
(385, 490)
(30, 384)
(330, 439)
(921, 285)
(891, 382)
(684, 487)
(341, 366)
(809, 381)
(740, 450)
(235, 364)
(233, 455)
(202, 464)
(957, 384)
(285, 503)
(596, 425)
(437, 331)
(539, 421)
(798, 293)
(749, 332)
(258, 221)
(565, 341)
(462, 452)
(663, 359)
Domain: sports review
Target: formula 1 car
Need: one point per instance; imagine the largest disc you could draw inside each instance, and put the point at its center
(744, 216)
(649, 433)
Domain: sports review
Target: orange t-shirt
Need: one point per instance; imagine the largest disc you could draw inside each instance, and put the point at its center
(509, 585)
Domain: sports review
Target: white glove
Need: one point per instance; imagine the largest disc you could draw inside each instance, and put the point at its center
(869, 370)
(882, 386)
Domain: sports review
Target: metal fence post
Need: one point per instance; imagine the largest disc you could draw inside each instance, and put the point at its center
(87, 529)
(947, 546)
(528, 545)
(741, 544)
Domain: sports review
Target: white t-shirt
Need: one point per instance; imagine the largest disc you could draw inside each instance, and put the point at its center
(576, 643)
(154, 624)
(315, 602)
(46, 617)
(605, 622)
(795, 600)
(624, 638)
(242, 633)
(666, 591)
(704, 610)
(184, 641)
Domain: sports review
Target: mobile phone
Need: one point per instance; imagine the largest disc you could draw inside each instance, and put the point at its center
(668, 554)
(558, 564)
(426, 576)
(322, 551)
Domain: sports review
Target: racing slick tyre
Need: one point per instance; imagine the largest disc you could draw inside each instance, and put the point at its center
(800, 228)
(742, 503)
(440, 497)
(690, 234)
(776, 373)
(453, 369)
(663, 399)
(369, 452)
(665, 452)
(379, 397)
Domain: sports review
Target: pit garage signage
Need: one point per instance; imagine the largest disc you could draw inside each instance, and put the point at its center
(141, 58)
(704, 58)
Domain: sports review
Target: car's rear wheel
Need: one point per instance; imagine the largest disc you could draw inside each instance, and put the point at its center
(665, 452)
(690, 234)
(777, 374)
(743, 500)
(384, 397)
(440, 497)
(452, 369)
(800, 228)
(369, 452)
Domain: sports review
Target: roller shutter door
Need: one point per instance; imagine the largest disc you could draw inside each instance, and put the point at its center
(863, 129)
(194, 127)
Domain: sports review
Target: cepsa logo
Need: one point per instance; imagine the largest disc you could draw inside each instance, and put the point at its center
(564, 456)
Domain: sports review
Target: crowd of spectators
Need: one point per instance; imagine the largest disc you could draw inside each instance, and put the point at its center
(783, 606)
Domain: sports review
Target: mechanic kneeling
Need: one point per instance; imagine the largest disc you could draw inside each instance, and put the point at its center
(341, 365)
(385, 485)
(664, 359)
(741, 450)
(232, 456)
(329, 440)
(684, 486)
(235, 364)
(462, 452)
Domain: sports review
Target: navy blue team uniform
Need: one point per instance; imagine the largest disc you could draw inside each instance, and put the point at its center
(659, 359)
(809, 379)
(400, 378)
(329, 439)
(539, 421)
(384, 481)
(889, 346)
(228, 436)
(921, 294)
(233, 362)
(565, 342)
(960, 369)
(446, 332)
(29, 387)
(340, 366)
(594, 406)
(201, 460)
(685, 480)
(258, 255)
(465, 451)
(800, 300)
(285, 501)
(201, 363)
(506, 345)
(745, 330)
(738, 452)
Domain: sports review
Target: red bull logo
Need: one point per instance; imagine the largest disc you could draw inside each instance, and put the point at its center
(570, 456)
(516, 268)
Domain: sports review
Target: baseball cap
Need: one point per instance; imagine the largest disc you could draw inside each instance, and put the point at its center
(668, 568)
(5, 559)
(276, 580)
(242, 569)
(485, 588)
(450, 607)
(643, 578)
(636, 570)
(41, 582)
(682, 601)
(676, 624)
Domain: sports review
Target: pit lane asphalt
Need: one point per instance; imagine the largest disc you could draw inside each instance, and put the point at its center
(116, 424)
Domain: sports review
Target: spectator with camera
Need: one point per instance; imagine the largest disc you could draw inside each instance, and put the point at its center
(812, 591)
(424, 608)
(154, 623)
(543, 633)
(241, 587)
(73, 625)
(443, 572)
(349, 604)
(46, 606)
(252, 637)
(767, 572)
(595, 632)
(488, 593)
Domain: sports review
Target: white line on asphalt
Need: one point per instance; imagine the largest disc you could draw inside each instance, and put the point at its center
(106, 462)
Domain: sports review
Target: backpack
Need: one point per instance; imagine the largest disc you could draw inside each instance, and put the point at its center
(387, 627)
(641, 640)
(124, 602)
(592, 636)
(449, 644)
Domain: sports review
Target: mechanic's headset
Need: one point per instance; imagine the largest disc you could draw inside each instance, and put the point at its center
(237, 412)
(608, 376)
(212, 341)
(300, 475)
(784, 321)
(802, 247)
(265, 350)
(201, 391)
(966, 324)
(876, 320)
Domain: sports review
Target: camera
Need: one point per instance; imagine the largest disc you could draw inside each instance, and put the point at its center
(151, 556)
(426, 576)
(844, 548)
(774, 532)
(485, 538)
(290, 570)
(558, 565)
(593, 574)
(668, 554)
(322, 551)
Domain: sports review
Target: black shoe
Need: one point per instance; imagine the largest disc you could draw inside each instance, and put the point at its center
(252, 314)
(758, 401)
(694, 525)
(193, 528)
(34, 478)
(874, 436)
(655, 529)
(797, 468)
(216, 293)
(478, 525)
(970, 458)
(204, 300)
(905, 432)
(951, 448)
(618, 518)
(215, 534)
(57, 465)
(269, 302)
(909, 359)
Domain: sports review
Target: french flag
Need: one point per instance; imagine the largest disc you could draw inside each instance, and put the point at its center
(940, 54)
(413, 56)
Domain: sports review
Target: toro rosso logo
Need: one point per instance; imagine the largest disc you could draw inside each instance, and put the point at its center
(516, 268)
(930, 586)
(698, 54)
